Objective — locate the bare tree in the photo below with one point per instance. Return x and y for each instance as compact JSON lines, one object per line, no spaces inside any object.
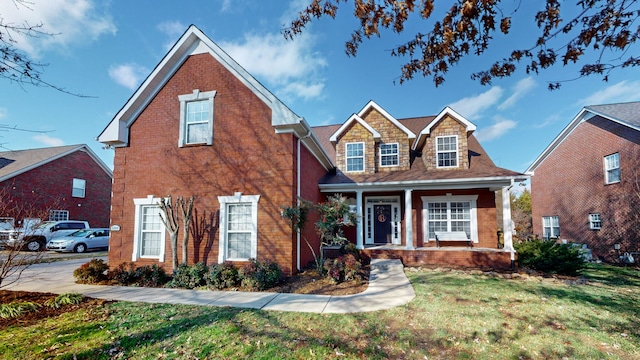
{"x":172,"y":224}
{"x":13,"y":261}
{"x":15,"y":65}
{"x":186,"y":211}
{"x":605,"y":29}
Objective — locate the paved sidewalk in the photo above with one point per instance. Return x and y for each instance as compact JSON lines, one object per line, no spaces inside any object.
{"x":388,"y":288}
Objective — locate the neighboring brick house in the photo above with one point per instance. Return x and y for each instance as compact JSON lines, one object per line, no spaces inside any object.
{"x":202,"y":125}
{"x":56,"y":183}
{"x":585,"y":186}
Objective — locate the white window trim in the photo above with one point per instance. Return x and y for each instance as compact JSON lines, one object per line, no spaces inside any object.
{"x":473,"y":212}
{"x":139,"y":202}
{"x":397,"y":154}
{"x":346,"y":157}
{"x":456,"y":151}
{"x":82,"y":184}
{"x":236,"y":199}
{"x":195,"y":96}
{"x":593,"y":221}
{"x":607,"y":169}
{"x":396,"y":228}
{"x":552,"y":235}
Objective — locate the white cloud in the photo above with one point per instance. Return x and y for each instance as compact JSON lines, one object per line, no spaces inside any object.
{"x":291,"y":67}
{"x":128,"y":75}
{"x":621,"y":92}
{"x":71,"y":22}
{"x":473,"y":106}
{"x":500,"y":127}
{"x":518,"y":91}
{"x":3,"y":112}
{"x":173,"y":30}
{"x":48,"y":140}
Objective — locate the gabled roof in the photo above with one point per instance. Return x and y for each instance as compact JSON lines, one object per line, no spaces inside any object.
{"x":20,"y":161}
{"x":351,"y":120}
{"x":193,"y":42}
{"x":626,"y":114}
{"x":446,"y":111}
{"x":358,"y":117}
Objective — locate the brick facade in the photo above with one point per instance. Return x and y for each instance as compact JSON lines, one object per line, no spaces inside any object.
{"x":246,"y":156}
{"x":570,"y":184}
{"x":49,"y":187}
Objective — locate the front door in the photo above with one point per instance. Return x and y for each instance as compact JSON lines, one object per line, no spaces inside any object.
{"x":382,"y":227}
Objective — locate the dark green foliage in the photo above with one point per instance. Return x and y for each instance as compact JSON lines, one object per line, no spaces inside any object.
{"x":151,"y":276}
{"x":93,"y":272}
{"x":146,"y":276}
{"x":223,"y":276}
{"x":344,"y":268}
{"x":259,"y":275}
{"x":549,"y":257}
{"x":189,"y":276}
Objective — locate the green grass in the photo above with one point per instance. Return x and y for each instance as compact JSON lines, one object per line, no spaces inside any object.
{"x":454,"y":315}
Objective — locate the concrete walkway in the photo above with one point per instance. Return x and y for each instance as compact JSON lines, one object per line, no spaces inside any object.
{"x":388,"y":288}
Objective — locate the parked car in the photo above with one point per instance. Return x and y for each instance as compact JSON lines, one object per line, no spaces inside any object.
{"x":35,"y":239}
{"x":81,"y":241}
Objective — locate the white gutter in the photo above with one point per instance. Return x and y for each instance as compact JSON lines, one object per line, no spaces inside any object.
{"x":425,"y":184}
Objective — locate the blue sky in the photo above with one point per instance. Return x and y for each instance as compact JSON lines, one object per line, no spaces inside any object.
{"x":105,"y":49}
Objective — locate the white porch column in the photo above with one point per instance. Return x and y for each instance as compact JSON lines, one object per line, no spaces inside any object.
{"x":408,"y":219}
{"x":359,"y":221}
{"x":507,"y":225}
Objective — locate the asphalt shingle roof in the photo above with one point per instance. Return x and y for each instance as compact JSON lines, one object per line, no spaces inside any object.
{"x":628,"y":113}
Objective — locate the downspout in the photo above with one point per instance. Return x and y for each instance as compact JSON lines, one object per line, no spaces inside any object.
{"x":512,"y":250}
{"x":298,"y":194}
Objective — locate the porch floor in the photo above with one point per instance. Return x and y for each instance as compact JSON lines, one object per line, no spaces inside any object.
{"x":455,"y":256}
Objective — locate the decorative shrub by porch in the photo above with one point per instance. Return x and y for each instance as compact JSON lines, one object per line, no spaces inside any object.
{"x":189,"y":276}
{"x":343,"y":268}
{"x":223,"y":276}
{"x":93,"y":272}
{"x":259,"y":275}
{"x":549,"y":256}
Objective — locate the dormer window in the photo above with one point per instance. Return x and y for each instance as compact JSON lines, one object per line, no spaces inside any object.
{"x":196,"y":118}
{"x":389,"y":154}
{"x":355,"y":156}
{"x":447,"y":151}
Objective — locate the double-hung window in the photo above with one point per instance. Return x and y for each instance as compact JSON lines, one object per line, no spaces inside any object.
{"x":389,"y":154}
{"x":450,"y":213}
{"x":196,"y":118}
{"x":149,"y":233}
{"x":79,"y":186}
{"x":595,"y":221}
{"x":238,"y":227}
{"x":612,"y":168}
{"x":550,"y":227}
{"x":355,"y":156}
{"x":447,"y":151}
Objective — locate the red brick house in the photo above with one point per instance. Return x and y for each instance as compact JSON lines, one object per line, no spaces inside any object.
{"x":202,"y":125}
{"x":55,"y":183}
{"x":585,"y":186}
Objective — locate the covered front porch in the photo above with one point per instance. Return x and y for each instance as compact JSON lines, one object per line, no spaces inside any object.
{"x":408,"y":221}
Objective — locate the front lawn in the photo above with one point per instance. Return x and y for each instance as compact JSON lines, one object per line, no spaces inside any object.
{"x":454,"y":315}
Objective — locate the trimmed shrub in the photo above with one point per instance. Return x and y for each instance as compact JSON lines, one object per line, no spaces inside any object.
{"x":124,"y":274}
{"x":259,"y":275}
{"x":549,"y":257}
{"x":93,"y":272}
{"x":223,"y":276}
{"x":335,"y":269}
{"x":151,"y":276}
{"x":189,"y":277}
